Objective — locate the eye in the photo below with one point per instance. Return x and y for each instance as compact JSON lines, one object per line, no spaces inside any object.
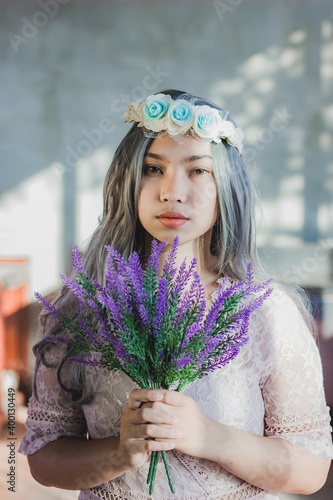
{"x":151,"y":170}
{"x":199,"y":171}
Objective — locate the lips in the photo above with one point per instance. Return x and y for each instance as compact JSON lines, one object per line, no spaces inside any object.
{"x":171,"y":218}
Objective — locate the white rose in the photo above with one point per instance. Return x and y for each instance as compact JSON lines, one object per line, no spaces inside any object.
{"x":236,"y":139}
{"x":133,"y":112}
{"x":207,"y":123}
{"x":226,"y":130}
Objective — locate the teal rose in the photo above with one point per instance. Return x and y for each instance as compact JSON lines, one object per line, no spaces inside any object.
{"x":180,"y":117}
{"x":154,"y":112}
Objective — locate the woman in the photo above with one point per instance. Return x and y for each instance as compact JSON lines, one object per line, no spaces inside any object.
{"x":259,"y":425}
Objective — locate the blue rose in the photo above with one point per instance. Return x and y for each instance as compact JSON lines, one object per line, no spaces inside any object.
{"x":154,"y":112}
{"x":181,"y":116}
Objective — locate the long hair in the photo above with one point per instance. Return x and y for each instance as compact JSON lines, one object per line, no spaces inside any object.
{"x":232,"y":243}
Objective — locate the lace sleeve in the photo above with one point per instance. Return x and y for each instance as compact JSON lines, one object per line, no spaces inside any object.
{"x":51,"y":415}
{"x":295,"y":407}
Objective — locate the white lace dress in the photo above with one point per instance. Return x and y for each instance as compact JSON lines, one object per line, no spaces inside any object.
{"x":274,"y":388}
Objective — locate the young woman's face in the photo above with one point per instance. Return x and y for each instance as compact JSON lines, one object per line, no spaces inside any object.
{"x":178,"y":191}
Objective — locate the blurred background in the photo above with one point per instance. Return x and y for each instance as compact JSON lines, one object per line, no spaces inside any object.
{"x":68,"y":70}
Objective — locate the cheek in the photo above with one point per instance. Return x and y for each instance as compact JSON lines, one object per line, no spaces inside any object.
{"x":144,"y":201}
{"x":141,"y":213}
{"x":140,"y":205}
{"x":205,"y":198}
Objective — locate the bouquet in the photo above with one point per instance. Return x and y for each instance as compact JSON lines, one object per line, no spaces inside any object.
{"x":156,"y":326}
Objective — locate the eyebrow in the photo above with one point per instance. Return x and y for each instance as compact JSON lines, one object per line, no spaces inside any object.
{"x":186,"y":159}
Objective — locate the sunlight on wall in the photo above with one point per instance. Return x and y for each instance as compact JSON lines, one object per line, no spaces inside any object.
{"x":307,"y":147}
{"x":325,"y":217}
{"x":92,"y":171}
{"x":328,"y":314}
{"x":326,"y":52}
{"x":31,"y":219}
{"x":289,"y":212}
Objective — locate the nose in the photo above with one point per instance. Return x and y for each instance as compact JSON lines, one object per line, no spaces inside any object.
{"x":173,"y":188}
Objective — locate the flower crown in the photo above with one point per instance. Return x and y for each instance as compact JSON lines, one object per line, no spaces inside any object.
{"x":179,"y":117}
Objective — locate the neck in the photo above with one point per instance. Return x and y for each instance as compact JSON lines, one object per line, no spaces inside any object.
{"x":198,"y":249}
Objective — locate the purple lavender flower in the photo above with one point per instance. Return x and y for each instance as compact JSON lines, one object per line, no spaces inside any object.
{"x":76,"y":260}
{"x":183,"y":277}
{"x":48,"y":306}
{"x":88,"y":332}
{"x":135,"y":275}
{"x":182,"y":362}
{"x":74,"y":287}
{"x":113,"y":309}
{"x":162,"y":305}
{"x":169,"y":268}
{"x":93,"y":360}
{"x":154,"y":258}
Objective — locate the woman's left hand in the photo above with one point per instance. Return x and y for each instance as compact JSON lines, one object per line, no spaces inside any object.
{"x":192,"y":423}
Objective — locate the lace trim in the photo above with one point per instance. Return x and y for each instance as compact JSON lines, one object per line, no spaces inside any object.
{"x":250,"y":492}
{"x":39,"y":413}
{"x":40,"y":417}
{"x":293,"y":425}
{"x":107,"y":495}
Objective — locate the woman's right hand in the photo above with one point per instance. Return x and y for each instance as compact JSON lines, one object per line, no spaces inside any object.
{"x":145,"y":420}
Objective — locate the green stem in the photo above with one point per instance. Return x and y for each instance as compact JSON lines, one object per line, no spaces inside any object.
{"x":168,"y":472}
{"x":153,"y":464}
{"x":154,"y":471}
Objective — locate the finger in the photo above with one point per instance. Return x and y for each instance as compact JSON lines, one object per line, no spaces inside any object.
{"x":152,"y":431}
{"x":139,"y":396}
{"x":156,"y":414}
{"x":150,"y":445}
{"x":173,"y":398}
{"x":151,"y":412}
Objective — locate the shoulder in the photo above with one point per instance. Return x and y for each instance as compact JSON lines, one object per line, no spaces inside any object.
{"x":281,"y":337}
{"x":282,"y":322}
{"x":285,"y":307}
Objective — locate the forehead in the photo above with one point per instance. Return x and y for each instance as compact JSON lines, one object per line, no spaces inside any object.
{"x":172,"y":149}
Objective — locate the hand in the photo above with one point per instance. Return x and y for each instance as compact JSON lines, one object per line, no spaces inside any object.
{"x":163,"y":420}
{"x":191,"y":422}
{"x":147,"y":425}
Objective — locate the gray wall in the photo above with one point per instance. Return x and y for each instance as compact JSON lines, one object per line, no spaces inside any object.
{"x":68,"y":68}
